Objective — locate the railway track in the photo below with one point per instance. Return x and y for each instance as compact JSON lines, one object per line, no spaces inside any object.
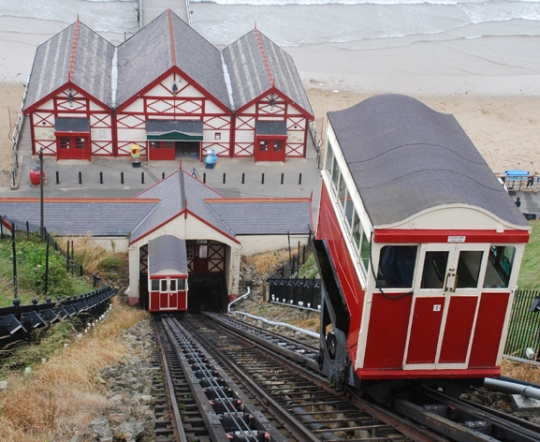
{"x":251,"y":384}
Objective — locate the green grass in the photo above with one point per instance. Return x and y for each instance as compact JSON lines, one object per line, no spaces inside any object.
{"x":529,"y":274}
{"x":31,"y":256}
{"x":309,"y":269}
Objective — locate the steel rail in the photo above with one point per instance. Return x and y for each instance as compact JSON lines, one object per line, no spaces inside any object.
{"x":407,"y":428}
{"x":176,"y":418}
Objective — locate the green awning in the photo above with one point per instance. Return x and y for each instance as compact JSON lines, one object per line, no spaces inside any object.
{"x":174,"y":130}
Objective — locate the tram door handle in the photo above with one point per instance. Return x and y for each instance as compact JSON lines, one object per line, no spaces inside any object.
{"x":451,"y":281}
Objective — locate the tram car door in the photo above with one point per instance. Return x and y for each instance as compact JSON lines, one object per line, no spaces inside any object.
{"x":167,"y":274}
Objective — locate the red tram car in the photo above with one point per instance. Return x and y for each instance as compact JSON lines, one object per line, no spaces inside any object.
{"x":418,"y":246}
{"x":167,"y":274}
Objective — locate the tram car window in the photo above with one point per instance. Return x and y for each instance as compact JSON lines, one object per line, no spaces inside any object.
{"x":418,"y":247}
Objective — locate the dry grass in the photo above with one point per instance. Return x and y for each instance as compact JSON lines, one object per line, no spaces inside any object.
{"x":518,"y":370}
{"x":267,"y":263}
{"x":60,"y":396}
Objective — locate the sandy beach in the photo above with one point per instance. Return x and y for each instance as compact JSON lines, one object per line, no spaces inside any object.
{"x":492,"y":86}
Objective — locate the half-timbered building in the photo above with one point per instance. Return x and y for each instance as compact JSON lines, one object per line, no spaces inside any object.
{"x":169,"y":91}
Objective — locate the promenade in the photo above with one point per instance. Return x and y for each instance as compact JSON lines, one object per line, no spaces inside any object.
{"x":152,"y":8}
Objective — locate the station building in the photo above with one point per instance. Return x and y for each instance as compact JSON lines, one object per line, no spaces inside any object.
{"x":167,"y":90}
{"x":216,"y":230}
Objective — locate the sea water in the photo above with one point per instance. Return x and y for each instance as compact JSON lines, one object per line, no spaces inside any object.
{"x":369,"y":24}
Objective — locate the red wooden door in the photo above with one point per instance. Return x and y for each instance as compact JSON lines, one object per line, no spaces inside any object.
{"x":270,"y":150}
{"x":161,"y":150}
{"x":73,"y":148}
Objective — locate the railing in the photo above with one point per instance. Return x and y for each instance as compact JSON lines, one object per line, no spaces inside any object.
{"x":301,"y":293}
{"x":188,"y":12}
{"x":524,"y":328}
{"x":22,"y":228}
{"x":15,"y":137}
{"x":317,"y":142}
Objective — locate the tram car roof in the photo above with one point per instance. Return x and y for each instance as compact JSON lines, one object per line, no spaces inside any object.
{"x":406,"y":158}
{"x":167,"y":255}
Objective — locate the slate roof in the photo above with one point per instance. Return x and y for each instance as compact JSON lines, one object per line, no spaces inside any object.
{"x":166,"y":42}
{"x":91,"y":68}
{"x":265,"y":216}
{"x":172,"y":192}
{"x":405,"y":158}
{"x":110,"y":217}
{"x":255,"y":65}
{"x":167,"y":254}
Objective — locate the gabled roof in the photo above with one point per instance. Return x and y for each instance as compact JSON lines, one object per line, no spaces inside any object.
{"x":265,"y":216}
{"x":256,"y":66}
{"x":75,"y":56}
{"x":172,"y":192}
{"x":73,"y":216}
{"x":165,"y":44}
{"x":406,"y":158}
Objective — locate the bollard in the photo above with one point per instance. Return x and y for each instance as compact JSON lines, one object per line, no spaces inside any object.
{"x":121,"y":177}
{"x":204,"y":177}
{"x":142,"y":177}
{"x":243,"y":177}
{"x":224,"y":178}
{"x":300,"y":179}
{"x":13,"y":178}
{"x":80,"y":177}
{"x":282,"y":177}
{"x":162,"y":175}
{"x":100,"y":177}
{"x":57,"y":177}
{"x":262,"y":179}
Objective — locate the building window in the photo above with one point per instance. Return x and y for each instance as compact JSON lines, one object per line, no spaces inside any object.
{"x":217,"y":136}
{"x":155,"y":285}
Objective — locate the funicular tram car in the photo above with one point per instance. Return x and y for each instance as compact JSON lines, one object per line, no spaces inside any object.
{"x":419,"y":248}
{"x":167,"y":274}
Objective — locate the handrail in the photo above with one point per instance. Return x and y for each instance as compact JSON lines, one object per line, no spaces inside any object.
{"x":15,"y":137}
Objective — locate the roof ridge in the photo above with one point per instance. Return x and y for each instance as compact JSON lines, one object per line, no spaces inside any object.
{"x":73,"y":49}
{"x":263,"y":55}
{"x":171,"y":36}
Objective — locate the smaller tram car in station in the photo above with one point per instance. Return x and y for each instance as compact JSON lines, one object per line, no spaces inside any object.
{"x":167,"y":275}
{"x":419,"y":248}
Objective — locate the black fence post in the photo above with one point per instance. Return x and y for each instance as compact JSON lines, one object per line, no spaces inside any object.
{"x":121,"y":177}
{"x":224,"y":177}
{"x":67,"y":257}
{"x":243,"y":177}
{"x":204,"y":177}
{"x":27,"y":229}
{"x":100,"y":177}
{"x":57,"y":177}
{"x":162,"y":175}
{"x":1,"y":227}
{"x":14,"y":260}
{"x":142,"y":177}
{"x":46,"y":288}
{"x":299,"y":178}
{"x":282,"y":177}
{"x":262,"y":178}
{"x":80,"y":177}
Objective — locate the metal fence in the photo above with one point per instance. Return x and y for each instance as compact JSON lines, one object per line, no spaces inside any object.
{"x":524,"y":328}
{"x":25,"y":229}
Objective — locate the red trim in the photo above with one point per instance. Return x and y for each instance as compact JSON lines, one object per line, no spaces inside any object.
{"x":257,"y":200}
{"x":81,"y":200}
{"x":431,"y":374}
{"x":175,"y":276}
{"x":213,"y":227}
{"x":441,"y":236}
{"x":133,"y":241}
{"x":171,"y":71}
{"x":73,"y":50}
{"x":263,"y":55}
{"x":171,"y":35}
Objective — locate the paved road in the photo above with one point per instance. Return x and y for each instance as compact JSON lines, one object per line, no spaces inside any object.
{"x":152,"y":8}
